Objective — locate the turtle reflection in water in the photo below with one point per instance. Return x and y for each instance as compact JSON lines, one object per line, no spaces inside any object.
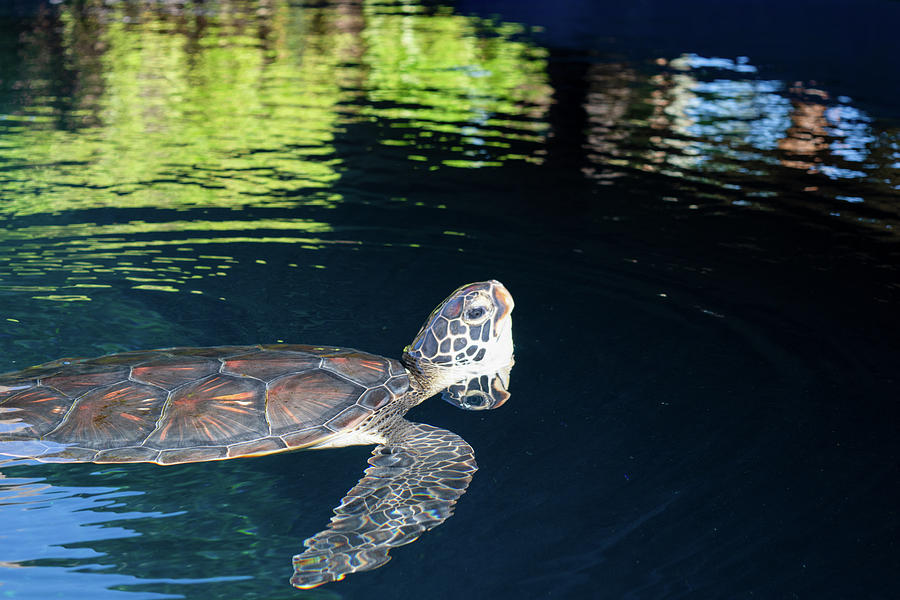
{"x":183,"y":405}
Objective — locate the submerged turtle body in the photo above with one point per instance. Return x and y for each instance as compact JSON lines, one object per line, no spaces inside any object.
{"x":181,"y":405}
{"x":196,"y":404}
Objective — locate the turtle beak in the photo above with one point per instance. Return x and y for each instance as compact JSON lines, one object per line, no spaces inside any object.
{"x":504,"y":302}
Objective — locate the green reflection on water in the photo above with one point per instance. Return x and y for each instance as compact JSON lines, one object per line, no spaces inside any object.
{"x":71,"y":254}
{"x":133,"y":227}
{"x":174,"y":112}
{"x":227,"y":113}
{"x":444,"y":79}
{"x":143,"y":105}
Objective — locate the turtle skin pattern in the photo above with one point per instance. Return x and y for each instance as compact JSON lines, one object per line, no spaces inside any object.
{"x":181,"y":405}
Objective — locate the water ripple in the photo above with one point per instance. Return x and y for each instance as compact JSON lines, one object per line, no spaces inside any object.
{"x":746,"y":140}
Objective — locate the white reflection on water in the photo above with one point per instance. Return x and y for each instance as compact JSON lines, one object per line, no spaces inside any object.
{"x":801,"y":120}
{"x":852,"y":129}
{"x":44,"y":531}
{"x":720,"y":123}
{"x":750,"y":112}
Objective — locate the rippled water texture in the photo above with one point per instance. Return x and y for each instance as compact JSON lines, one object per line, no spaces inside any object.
{"x":732,"y":135}
{"x":698,"y":223}
{"x":192,"y":111}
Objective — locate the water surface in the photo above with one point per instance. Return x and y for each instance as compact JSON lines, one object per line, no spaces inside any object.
{"x":701,"y":238}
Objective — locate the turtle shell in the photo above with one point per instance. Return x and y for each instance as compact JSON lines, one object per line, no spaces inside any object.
{"x":179,"y":405}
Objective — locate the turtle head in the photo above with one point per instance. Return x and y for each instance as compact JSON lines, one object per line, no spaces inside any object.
{"x":469,"y":333}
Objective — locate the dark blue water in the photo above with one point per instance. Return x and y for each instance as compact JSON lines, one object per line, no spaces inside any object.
{"x":696,"y":212}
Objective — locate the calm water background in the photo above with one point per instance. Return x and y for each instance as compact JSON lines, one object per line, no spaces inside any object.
{"x":696,"y":210}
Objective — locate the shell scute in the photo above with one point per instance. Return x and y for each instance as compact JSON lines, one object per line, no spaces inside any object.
{"x":256,"y":447}
{"x":270,"y":364}
{"x":72,"y":366}
{"x":185,"y":455}
{"x":119,"y":415}
{"x":397,"y":367}
{"x":71,"y":454}
{"x":28,"y":448}
{"x":375,"y":398}
{"x":126,"y":455}
{"x":80,"y":366}
{"x":76,"y":385}
{"x":169,"y":372}
{"x":123,"y":358}
{"x":33,"y":412}
{"x":211,"y":352}
{"x":398,"y":385}
{"x":348,"y":419}
{"x":219,"y":409}
{"x":307,"y":437}
{"x":13,"y":387}
{"x":366,"y":369}
{"x":301,"y":401}
{"x":302,"y":348}
{"x":18,"y":377}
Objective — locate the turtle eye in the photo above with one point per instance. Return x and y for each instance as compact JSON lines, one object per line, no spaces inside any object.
{"x":473,"y":314}
{"x":477,"y":310}
{"x":474,"y":400}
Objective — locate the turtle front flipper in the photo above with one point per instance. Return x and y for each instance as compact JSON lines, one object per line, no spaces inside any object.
{"x":410,"y":487}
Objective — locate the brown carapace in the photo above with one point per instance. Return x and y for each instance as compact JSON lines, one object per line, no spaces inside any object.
{"x":193,"y":404}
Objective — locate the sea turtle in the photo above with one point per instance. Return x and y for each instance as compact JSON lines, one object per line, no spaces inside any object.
{"x":181,"y":405}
